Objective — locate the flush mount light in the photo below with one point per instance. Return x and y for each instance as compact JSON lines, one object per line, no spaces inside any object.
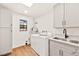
{"x":25,"y":11}
{"x":28,"y":4}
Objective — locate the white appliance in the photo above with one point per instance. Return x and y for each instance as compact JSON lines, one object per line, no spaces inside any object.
{"x":5,"y":31}
{"x":39,"y":44}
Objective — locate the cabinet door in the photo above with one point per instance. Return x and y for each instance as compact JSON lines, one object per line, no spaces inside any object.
{"x":72,"y":14}
{"x":54,"y":49}
{"x":67,"y":52}
{"x":58,"y":15}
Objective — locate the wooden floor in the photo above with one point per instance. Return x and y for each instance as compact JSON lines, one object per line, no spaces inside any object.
{"x":23,"y":51}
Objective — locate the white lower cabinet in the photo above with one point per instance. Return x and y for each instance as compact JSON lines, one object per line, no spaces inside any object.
{"x":52,"y":49}
{"x":61,"y":49}
{"x":40,"y":45}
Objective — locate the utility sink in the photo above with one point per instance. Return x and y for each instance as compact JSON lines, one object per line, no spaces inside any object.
{"x":74,"y":41}
{"x":63,"y":39}
{"x":57,"y":38}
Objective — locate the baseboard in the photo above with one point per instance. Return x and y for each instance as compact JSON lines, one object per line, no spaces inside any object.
{"x":35,"y":52}
{"x":6,"y":53}
{"x":21,"y":45}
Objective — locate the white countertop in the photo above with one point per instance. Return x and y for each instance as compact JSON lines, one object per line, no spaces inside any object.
{"x":64,"y":42}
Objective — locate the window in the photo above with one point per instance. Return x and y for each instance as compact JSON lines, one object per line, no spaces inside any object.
{"x":23,"y":25}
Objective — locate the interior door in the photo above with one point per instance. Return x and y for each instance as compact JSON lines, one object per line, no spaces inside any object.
{"x":5,"y":30}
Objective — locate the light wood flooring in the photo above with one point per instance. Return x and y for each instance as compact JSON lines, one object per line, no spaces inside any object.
{"x":23,"y":51}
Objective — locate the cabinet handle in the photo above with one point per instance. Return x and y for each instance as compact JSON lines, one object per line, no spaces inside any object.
{"x":60,"y":52}
{"x":11,"y":27}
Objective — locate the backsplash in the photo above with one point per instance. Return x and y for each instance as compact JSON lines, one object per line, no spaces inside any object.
{"x":72,"y":32}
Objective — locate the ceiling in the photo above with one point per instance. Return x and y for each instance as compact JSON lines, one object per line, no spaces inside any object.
{"x":35,"y":10}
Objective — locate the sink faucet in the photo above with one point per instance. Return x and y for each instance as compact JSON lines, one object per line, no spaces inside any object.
{"x":65,"y":33}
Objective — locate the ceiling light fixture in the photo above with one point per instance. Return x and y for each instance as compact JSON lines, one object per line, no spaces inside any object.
{"x":25,"y":11}
{"x":28,"y":4}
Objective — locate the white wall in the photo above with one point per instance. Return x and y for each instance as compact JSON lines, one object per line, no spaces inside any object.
{"x":20,"y":37}
{"x":45,"y":22}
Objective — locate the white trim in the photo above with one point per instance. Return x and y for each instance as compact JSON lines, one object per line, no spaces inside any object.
{"x":3,"y":53}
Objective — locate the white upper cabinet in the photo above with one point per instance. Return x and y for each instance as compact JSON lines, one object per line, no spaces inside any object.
{"x":68,"y":12}
{"x":72,"y":14}
{"x":5,"y":17}
{"x":58,"y":15}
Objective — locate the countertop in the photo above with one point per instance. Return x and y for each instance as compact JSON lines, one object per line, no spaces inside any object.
{"x":64,"y":42}
{"x":60,"y":41}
